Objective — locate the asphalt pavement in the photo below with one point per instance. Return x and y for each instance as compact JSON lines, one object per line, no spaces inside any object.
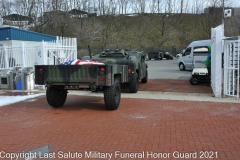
{"x":166,"y":69}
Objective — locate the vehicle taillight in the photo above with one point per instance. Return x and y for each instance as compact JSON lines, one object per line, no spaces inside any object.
{"x":40,"y":69}
{"x":130,"y":71}
{"x":102,"y":69}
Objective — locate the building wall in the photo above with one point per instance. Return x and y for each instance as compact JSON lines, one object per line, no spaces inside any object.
{"x":17,"y":42}
{"x":11,"y":33}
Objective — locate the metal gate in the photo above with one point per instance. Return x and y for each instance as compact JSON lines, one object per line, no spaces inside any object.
{"x":231,"y":67}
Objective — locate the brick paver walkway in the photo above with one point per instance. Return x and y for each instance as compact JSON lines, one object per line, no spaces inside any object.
{"x":171,"y":85}
{"x":155,"y":128}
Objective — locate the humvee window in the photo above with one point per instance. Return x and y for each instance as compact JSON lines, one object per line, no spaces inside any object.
{"x":112,"y":54}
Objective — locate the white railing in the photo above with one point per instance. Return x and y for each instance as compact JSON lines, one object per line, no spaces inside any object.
{"x":231,"y":67}
{"x":44,"y":53}
{"x":62,"y":50}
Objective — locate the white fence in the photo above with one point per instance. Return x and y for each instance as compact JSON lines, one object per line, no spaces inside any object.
{"x":216,"y":61}
{"x":45,"y":53}
{"x":231,"y":67}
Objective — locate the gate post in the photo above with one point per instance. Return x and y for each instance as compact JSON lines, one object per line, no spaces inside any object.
{"x":216,"y":61}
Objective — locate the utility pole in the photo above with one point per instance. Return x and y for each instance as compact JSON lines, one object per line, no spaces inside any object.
{"x":223,"y":18}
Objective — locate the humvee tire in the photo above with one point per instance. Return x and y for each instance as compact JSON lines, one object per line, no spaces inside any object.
{"x":56,"y":97}
{"x":145,"y":79}
{"x":112,"y":96}
{"x":133,"y":85}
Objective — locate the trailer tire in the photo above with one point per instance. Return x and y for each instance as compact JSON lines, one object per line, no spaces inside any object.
{"x":112,"y":96}
{"x":145,"y":79}
{"x":193,"y":81}
{"x":133,"y":85}
{"x":56,"y":97}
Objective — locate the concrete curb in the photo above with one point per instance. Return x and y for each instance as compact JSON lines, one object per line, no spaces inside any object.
{"x":149,"y":95}
{"x":165,"y":96}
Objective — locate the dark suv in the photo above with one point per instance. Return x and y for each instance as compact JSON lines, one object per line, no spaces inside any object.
{"x":167,"y":55}
{"x":155,"y":55}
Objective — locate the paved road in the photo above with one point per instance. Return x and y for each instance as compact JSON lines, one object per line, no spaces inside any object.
{"x":166,"y":69}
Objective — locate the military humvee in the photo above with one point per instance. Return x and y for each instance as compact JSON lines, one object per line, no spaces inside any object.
{"x":137,"y":68}
{"x":109,"y":69}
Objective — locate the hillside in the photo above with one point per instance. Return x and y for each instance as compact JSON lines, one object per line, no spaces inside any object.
{"x":145,"y":31}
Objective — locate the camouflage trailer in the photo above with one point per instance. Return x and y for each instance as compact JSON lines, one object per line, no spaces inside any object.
{"x":113,"y":67}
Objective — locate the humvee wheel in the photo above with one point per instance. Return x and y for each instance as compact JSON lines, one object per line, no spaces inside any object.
{"x":133,"y":86}
{"x":56,"y":97}
{"x":112,"y":96}
{"x":145,"y":79}
{"x":193,"y":80}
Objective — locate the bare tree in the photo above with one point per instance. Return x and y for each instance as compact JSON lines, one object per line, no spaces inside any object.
{"x":5,"y":7}
{"x":122,"y":5}
{"x":138,"y":6}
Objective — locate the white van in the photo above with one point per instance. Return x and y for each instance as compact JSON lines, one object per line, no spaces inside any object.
{"x":185,"y":62}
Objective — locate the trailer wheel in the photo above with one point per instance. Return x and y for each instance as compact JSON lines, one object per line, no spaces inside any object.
{"x":56,"y":97}
{"x":133,"y":85}
{"x":193,"y":80}
{"x":112,"y":96}
{"x":145,"y":79}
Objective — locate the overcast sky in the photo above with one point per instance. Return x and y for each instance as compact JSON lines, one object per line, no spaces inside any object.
{"x":237,"y":2}
{"x":234,"y":2}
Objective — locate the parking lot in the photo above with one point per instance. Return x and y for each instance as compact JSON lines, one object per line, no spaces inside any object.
{"x":166,"y":69}
{"x":141,"y":128}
